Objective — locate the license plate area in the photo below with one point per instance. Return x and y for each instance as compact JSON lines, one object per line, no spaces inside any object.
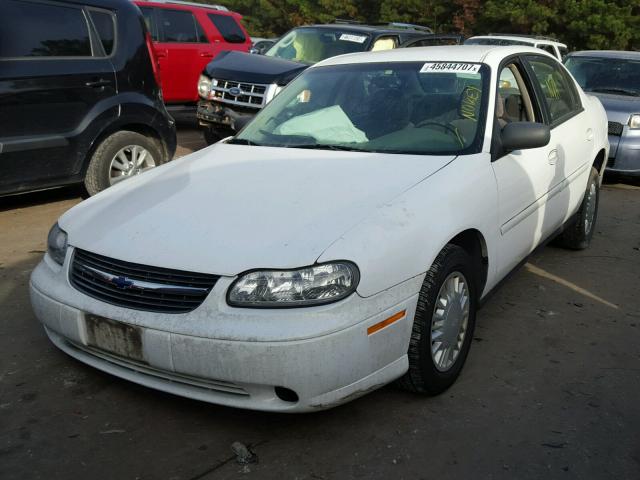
{"x":113,"y":337}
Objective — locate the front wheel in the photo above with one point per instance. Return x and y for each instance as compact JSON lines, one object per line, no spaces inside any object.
{"x":443,"y":325}
{"x":579,"y":231}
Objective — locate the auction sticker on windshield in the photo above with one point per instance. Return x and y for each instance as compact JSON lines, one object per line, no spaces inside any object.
{"x":352,"y":38}
{"x":447,"y":67}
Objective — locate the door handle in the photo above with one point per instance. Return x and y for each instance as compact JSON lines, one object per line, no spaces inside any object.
{"x":589,"y":134}
{"x":99,"y":83}
{"x":161,"y":54}
{"x":553,"y":157}
{"x":206,"y":54}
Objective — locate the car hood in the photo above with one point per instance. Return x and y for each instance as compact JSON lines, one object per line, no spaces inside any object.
{"x":231,"y":208}
{"x":618,"y":107}
{"x":252,"y":68}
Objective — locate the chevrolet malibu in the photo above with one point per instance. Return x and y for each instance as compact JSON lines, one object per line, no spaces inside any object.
{"x":341,"y":241}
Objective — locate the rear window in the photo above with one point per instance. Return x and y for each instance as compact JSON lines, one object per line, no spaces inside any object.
{"x":42,"y":30}
{"x":105,"y":26}
{"x":228,"y":28}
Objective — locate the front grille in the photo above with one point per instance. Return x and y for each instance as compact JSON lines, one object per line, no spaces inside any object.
{"x":252,"y":94}
{"x":615,"y":128}
{"x":140,"y":287}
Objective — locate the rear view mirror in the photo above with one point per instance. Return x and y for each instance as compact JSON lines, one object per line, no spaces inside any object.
{"x":523,"y":135}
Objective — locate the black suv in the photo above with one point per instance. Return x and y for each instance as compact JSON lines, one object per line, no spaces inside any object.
{"x":79,"y":95}
{"x":235,"y":86}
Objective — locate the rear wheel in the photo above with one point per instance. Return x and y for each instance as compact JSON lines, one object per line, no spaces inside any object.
{"x":578,"y":232}
{"x":120,"y":156}
{"x":443,"y":325}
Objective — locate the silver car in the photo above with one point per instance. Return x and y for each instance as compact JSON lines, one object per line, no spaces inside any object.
{"x":614,"y":77}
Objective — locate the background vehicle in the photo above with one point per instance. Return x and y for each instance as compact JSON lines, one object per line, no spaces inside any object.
{"x":436,"y":39}
{"x":614,"y":77}
{"x":350,"y":231}
{"x":548,"y":44}
{"x":79,"y":95}
{"x":186,"y":36}
{"x":261,"y":45}
{"x":236,"y":86}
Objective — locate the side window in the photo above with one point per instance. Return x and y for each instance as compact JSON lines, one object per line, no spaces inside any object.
{"x":385,"y":43}
{"x":513,"y":102}
{"x":149,"y":19}
{"x":105,"y":26}
{"x":228,"y":28}
{"x":178,"y":26}
{"x":43,"y":30}
{"x":558,"y":90}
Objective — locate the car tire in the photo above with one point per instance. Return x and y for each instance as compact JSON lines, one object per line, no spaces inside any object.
{"x":425,"y":375}
{"x":99,"y":173}
{"x":578,"y":231}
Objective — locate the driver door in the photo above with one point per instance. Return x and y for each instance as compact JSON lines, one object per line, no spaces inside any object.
{"x":523,"y":177}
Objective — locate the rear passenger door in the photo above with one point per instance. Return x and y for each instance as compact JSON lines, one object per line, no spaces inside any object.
{"x":54,"y":73}
{"x":182,"y":44}
{"x":571,"y":133}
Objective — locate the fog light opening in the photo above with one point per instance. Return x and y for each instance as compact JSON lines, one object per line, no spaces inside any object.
{"x":286,"y":394}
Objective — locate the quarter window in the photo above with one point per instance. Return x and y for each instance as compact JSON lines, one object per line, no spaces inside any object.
{"x":105,"y":26}
{"x":228,"y":28}
{"x":179,"y":26}
{"x":42,"y":30}
{"x":558,"y":90}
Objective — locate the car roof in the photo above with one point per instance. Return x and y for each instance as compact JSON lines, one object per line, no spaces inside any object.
{"x":620,"y":54}
{"x":490,"y":54}
{"x":523,"y":38}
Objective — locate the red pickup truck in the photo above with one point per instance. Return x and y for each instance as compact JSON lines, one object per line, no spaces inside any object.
{"x":186,"y":37}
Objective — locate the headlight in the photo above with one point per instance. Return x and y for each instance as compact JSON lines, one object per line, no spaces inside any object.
{"x":272,"y":91}
{"x":204,"y":86}
{"x":57,"y":244}
{"x":634,"y":121}
{"x":303,"y":287}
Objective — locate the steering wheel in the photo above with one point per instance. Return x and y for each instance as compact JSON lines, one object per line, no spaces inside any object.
{"x":447,"y":128}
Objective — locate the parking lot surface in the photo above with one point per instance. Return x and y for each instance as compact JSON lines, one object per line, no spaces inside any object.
{"x":550,"y":389}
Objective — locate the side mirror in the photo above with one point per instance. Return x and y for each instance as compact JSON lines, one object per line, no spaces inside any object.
{"x":523,"y":135}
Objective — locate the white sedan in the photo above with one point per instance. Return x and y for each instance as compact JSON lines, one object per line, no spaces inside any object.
{"x":341,"y":241}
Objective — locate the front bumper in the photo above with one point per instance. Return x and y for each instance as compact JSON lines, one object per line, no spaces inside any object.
{"x":624,"y":156}
{"x":236,"y":357}
{"x":216,"y":115}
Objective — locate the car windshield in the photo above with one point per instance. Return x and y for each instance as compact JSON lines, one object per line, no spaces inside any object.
{"x":431,"y":108}
{"x":310,"y":45}
{"x":606,"y":75}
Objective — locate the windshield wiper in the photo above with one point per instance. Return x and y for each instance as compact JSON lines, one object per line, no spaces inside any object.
{"x":243,"y":141}
{"x":322,"y":146}
{"x":623,"y":91}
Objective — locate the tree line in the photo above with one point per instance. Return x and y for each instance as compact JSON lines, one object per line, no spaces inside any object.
{"x":582,"y":24}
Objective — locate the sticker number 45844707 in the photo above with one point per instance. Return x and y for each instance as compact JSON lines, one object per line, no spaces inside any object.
{"x":448,"y":67}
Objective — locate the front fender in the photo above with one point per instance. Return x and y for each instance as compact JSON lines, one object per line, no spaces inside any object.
{"x":401,"y":239}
